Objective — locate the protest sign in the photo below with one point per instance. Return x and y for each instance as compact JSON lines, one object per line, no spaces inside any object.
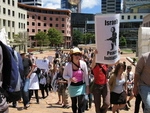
{"x":42,"y":64}
{"x":107,"y":38}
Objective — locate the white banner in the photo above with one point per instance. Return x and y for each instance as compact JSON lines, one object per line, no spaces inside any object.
{"x":107,"y":38}
{"x":42,"y":64}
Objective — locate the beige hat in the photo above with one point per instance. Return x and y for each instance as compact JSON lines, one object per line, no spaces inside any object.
{"x":22,"y":52}
{"x":75,"y":50}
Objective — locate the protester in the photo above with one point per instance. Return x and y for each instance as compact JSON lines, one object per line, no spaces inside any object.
{"x":100,"y":87}
{"x":117,"y":83}
{"x":28,"y":69}
{"x":142,"y":80}
{"x":75,"y":72}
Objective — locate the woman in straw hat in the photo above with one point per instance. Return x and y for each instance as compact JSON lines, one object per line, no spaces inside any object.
{"x":78,"y":83}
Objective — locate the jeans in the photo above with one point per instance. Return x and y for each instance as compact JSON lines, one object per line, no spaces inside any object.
{"x":98,"y":91}
{"x":145,"y":95}
{"x":25,"y":92}
{"x":137,"y":103}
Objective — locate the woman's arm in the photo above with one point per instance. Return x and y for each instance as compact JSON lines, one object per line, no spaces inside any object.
{"x":94,"y":58}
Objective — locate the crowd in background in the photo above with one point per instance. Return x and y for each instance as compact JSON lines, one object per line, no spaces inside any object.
{"x":113,"y":83}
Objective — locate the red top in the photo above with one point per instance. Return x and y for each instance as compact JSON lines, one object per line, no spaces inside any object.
{"x":99,"y":76}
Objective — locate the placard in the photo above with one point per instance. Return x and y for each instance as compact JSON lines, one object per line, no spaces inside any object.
{"x":107,"y":38}
{"x":42,"y":64}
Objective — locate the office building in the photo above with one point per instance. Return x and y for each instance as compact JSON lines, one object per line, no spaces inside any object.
{"x":42,"y":19}
{"x":111,"y":6}
{"x":31,"y":2}
{"x":73,"y":5}
{"x":12,"y":18}
{"x":130,"y":5}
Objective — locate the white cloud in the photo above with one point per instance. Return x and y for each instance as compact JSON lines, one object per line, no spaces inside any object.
{"x":85,"y":4}
{"x":90,"y":4}
{"x":53,"y":4}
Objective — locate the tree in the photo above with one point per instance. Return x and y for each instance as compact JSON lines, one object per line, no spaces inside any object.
{"x":41,"y":37}
{"x":122,"y":41}
{"x":21,"y":39}
{"x":77,"y":37}
{"x":89,"y":38}
{"x":55,"y":36}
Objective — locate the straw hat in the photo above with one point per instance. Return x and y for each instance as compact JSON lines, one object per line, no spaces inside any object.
{"x":22,"y":52}
{"x":75,"y":50}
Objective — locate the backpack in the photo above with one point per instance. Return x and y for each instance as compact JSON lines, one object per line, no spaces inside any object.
{"x":11,"y":80}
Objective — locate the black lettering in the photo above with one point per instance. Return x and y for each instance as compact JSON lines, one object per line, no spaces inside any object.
{"x":112,"y":22}
{"x":110,"y":57}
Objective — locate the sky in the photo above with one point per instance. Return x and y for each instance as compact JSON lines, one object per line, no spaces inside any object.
{"x":87,"y":6}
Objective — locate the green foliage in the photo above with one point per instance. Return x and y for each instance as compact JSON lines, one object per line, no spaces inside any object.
{"x":77,"y":37}
{"x":55,"y":36}
{"x":41,"y":37}
{"x":122,"y":41}
{"x":21,"y":38}
{"x":89,"y":38}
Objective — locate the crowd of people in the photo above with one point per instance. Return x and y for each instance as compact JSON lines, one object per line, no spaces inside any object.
{"x":79,"y":77}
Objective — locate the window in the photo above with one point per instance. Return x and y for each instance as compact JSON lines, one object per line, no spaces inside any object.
{"x":27,"y":16}
{"x":24,"y":26}
{"x":63,"y":19}
{"x":122,"y":17}
{"x":13,"y":13}
{"x":63,"y":25}
{"x":128,"y":17}
{"x":4,"y":11}
{"x":141,"y":16}
{"x":4,"y":1}
{"x":44,"y":30}
{"x":4,"y":22}
{"x":39,"y":24}
{"x":18,"y":15}
{"x":44,"y":24}
{"x":8,"y":23}
{"x":13,"y":3}
{"x":27,"y":23}
{"x":9,"y":12}
{"x":19,"y":25}
{"x":9,"y":2}
{"x":56,"y":25}
{"x":51,"y":18}
{"x":33,"y":30}
{"x":33,"y":17}
{"x":134,"y":17}
{"x":63,"y":31}
{"x":39,"y":18}
{"x":51,"y":25}
{"x":56,"y":19}
{"x":33,"y":24}
{"x":27,"y":30}
{"x":44,"y":18}
{"x":39,"y":30}
{"x":13,"y":24}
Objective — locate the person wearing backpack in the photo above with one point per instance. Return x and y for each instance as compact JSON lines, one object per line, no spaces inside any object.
{"x":28,"y":70}
{"x":100,"y":86}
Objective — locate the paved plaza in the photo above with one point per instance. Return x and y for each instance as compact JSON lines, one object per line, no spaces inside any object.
{"x":48,"y":105}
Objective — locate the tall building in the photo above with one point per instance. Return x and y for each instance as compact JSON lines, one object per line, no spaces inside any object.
{"x":31,"y":2}
{"x":111,"y":6}
{"x":130,"y":4}
{"x":73,"y":5}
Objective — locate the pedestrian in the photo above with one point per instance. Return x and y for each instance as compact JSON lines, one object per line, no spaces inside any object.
{"x":117,"y":83}
{"x":75,"y":72}
{"x":100,"y":87}
{"x":142,"y":80}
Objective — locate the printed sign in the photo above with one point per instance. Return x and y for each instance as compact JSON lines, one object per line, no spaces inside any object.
{"x":42,"y":64}
{"x":107,"y":38}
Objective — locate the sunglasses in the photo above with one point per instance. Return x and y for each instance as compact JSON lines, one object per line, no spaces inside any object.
{"x":77,"y":54}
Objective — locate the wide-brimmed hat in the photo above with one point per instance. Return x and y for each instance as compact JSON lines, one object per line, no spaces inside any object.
{"x":75,"y":50}
{"x":22,"y":52}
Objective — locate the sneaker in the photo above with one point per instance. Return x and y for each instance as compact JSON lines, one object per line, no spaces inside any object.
{"x":128,"y":102}
{"x":26,"y":106}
